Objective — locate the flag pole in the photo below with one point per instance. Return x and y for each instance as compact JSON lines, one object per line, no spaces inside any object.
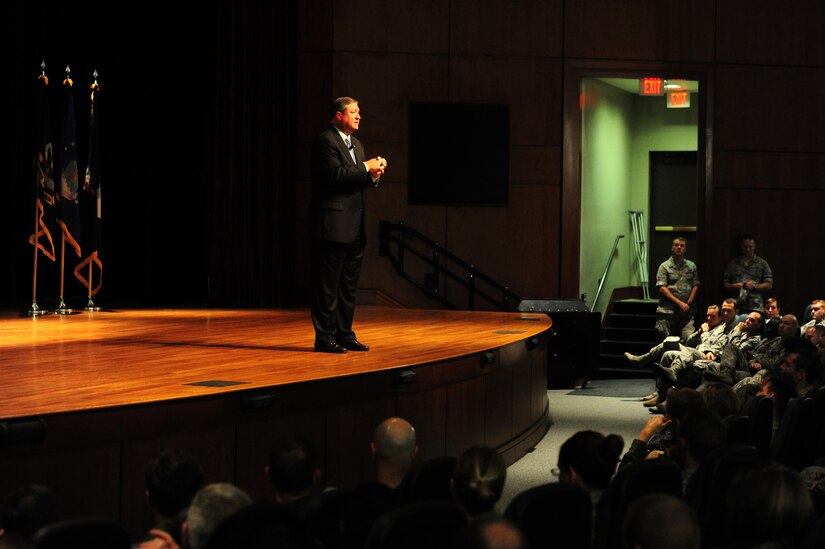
{"x":90,"y":304}
{"x":35,"y":309}
{"x":62,"y":309}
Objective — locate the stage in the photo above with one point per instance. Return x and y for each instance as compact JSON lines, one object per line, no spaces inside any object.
{"x":97,"y":394}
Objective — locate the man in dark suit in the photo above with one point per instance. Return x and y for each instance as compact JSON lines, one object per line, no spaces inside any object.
{"x":340,"y":174}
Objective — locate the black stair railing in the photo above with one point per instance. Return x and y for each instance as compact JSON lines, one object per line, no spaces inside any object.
{"x":428,"y":266}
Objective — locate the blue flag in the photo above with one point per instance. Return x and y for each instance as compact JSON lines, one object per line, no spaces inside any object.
{"x":68,"y":210}
{"x":90,"y":206}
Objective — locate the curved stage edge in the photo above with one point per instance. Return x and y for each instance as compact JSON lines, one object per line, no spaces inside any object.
{"x":90,"y":398}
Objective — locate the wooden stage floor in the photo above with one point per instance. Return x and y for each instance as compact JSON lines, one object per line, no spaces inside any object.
{"x":58,"y":364}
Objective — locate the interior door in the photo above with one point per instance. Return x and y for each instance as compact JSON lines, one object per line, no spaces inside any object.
{"x":673,"y":207}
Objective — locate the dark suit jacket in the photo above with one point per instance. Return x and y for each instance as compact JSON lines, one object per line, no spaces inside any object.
{"x":338,"y":202}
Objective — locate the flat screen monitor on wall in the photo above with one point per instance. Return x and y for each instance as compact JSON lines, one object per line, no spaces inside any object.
{"x":459,"y":154}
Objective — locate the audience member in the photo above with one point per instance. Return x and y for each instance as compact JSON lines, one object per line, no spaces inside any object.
{"x":804,"y":366}
{"x":765,"y":357}
{"x":720,"y":398}
{"x":677,"y":281}
{"x":293,"y":472}
{"x":779,"y":387}
{"x":264,"y":525}
{"x":26,"y":510}
{"x":700,"y":432}
{"x":172,"y":479}
{"x":769,"y":506}
{"x":492,"y":532}
{"x":675,"y":367}
{"x":394,"y":449}
{"x":589,"y":459}
{"x":211,"y":505}
{"x":817,"y":314}
{"x":772,"y":308}
{"x":478,"y":479}
{"x":705,"y":343}
{"x":747,"y":276}
{"x":680,"y":401}
{"x":660,"y":521}
{"x":734,"y":363}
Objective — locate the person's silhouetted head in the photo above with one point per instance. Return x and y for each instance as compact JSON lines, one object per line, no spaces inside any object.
{"x":660,"y":521}
{"x":292,"y":468}
{"x":478,"y":479}
{"x":172,"y":479}
{"x":590,"y":458}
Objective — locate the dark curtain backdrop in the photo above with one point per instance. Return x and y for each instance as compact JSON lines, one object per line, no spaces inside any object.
{"x":197,"y":161}
{"x":254,"y":176}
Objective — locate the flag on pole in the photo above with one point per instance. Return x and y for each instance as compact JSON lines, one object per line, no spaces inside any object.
{"x":68,"y":210}
{"x":90,"y":201}
{"x":43,"y":172}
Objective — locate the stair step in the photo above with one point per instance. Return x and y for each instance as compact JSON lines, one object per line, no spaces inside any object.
{"x":635,"y":306}
{"x":625,"y":320}
{"x":632,"y":334}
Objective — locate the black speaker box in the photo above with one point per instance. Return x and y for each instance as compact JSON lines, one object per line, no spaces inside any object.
{"x":573,"y":350}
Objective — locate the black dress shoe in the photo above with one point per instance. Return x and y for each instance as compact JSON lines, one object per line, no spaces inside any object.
{"x":353,"y":345}
{"x":328,"y":347}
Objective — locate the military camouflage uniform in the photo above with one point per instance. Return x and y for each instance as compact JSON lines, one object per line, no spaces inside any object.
{"x":741,"y":270}
{"x":680,"y":280}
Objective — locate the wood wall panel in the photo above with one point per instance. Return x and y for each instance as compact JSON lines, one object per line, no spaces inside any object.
{"x":465,"y":415}
{"x":794,"y":171}
{"x":427,"y":412}
{"x":349,"y":433}
{"x":392,"y":26}
{"x":499,"y":388}
{"x":626,"y":29}
{"x":384,"y":84}
{"x":535,"y":118}
{"x":763,"y":32}
{"x":512,"y":248}
{"x":491,"y":27}
{"x":769,"y":109}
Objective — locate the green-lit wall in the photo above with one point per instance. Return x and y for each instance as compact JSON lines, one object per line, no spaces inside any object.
{"x":619,"y":130}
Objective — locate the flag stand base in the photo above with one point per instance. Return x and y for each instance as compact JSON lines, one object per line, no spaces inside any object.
{"x":37,"y":311}
{"x":63,"y":310}
{"x":91,"y":307}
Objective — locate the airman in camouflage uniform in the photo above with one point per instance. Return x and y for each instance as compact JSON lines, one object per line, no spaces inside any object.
{"x":747,"y":276}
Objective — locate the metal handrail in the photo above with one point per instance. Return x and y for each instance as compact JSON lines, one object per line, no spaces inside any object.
{"x":606,"y":269}
{"x":443,"y":266}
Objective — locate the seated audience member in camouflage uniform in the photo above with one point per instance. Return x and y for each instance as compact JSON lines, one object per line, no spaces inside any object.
{"x":765,"y":357}
{"x":677,"y":281}
{"x":730,"y":369}
{"x":675,"y":367}
{"x":747,"y":276}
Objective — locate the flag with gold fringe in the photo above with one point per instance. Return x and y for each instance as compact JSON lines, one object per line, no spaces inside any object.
{"x":43,"y":172}
{"x":68,"y":210}
{"x":90,"y":205}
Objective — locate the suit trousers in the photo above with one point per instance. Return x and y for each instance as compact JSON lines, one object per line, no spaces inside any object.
{"x":336,"y":267}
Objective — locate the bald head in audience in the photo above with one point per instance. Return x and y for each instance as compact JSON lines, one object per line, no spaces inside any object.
{"x":394,"y":449}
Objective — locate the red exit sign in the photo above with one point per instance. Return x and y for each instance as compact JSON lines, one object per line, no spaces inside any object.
{"x":651,"y":86}
{"x":678,"y":100}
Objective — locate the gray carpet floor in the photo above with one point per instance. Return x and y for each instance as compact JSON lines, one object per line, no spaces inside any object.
{"x":607,"y":406}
